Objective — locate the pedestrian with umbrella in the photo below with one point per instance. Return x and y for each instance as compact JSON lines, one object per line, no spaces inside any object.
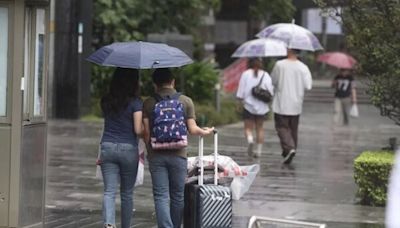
{"x":118,"y":161}
{"x":168,"y":117}
{"x":344,"y":85}
{"x":254,"y":109}
{"x":119,"y":154}
{"x":290,"y":78}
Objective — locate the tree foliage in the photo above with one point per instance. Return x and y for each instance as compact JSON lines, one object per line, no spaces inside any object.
{"x":272,"y":11}
{"x":123,"y":20}
{"x":373,"y":33}
{"x":127,"y":20}
{"x":199,"y":81}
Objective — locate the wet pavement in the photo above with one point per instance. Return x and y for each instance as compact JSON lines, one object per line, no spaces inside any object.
{"x":317,"y":187}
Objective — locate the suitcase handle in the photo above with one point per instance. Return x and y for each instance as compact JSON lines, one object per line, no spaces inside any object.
{"x":201,"y":154}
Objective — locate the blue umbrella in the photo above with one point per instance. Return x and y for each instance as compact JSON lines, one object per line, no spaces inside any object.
{"x":139,"y":55}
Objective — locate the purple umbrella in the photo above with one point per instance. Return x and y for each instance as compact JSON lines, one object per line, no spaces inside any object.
{"x":261,"y":48}
{"x":295,"y":37}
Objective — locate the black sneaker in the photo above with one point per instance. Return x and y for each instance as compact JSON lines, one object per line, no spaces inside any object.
{"x":288,"y":159}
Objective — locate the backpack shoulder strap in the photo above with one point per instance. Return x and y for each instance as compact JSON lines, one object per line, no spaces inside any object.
{"x":157,"y":97}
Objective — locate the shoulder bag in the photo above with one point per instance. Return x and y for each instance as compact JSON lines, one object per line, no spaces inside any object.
{"x":260,"y":93}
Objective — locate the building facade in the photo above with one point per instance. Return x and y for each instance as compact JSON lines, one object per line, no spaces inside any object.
{"x":24,"y":45}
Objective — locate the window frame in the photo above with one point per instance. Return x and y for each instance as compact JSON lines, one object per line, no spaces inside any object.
{"x":10,"y":13}
{"x":29,"y":79}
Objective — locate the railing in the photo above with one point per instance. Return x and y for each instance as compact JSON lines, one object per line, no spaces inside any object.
{"x":261,"y":222}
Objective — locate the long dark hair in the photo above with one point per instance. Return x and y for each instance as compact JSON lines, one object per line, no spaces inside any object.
{"x":123,"y":87}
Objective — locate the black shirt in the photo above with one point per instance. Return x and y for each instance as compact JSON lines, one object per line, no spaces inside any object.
{"x":344,"y":85}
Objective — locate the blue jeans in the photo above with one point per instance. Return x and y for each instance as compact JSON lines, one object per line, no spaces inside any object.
{"x":119,"y":163}
{"x":168,"y":174}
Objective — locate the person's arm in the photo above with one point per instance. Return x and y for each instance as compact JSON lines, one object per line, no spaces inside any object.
{"x":191,"y":122}
{"x":307,"y":79}
{"x":137,"y":123}
{"x":196,"y":130}
{"x":146,"y":130}
{"x":353,"y":93}
{"x":240,"y":93}
{"x":334,"y":83}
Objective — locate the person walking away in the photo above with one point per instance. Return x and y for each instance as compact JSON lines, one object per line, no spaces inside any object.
{"x":254,"y":110}
{"x":168,"y":159}
{"x":345,"y":96}
{"x":290,"y":78}
{"x":119,"y":156}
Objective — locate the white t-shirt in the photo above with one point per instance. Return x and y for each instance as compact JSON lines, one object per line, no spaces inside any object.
{"x":290,"y":79}
{"x":246,"y":83}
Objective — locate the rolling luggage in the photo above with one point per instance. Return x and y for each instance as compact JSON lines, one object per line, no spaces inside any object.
{"x":210,"y":205}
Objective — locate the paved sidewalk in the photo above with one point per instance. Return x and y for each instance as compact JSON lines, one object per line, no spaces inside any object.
{"x":317,"y":187}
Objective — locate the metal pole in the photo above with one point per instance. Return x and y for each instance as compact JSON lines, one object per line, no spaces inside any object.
{"x":217,"y":97}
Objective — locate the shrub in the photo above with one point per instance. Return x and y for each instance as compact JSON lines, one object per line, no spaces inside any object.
{"x":371,"y":174}
{"x":207,"y":115}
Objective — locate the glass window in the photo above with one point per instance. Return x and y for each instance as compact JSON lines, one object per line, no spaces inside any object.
{"x":3,"y":60}
{"x":38,"y":103}
{"x":27,"y":58}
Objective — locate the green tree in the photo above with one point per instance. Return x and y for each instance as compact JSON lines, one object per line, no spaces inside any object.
{"x":373,"y":34}
{"x":123,"y":20}
{"x":127,"y":20}
{"x":272,"y":11}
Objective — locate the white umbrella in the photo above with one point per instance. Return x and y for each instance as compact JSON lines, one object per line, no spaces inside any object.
{"x":262,"y":47}
{"x":295,"y":37}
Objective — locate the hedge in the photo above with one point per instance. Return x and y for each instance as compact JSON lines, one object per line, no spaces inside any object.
{"x":207,"y":115}
{"x":371,"y":174}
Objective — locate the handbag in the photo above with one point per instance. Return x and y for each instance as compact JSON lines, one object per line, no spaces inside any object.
{"x":260,"y":93}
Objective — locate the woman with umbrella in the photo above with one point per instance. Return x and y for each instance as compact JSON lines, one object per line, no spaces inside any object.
{"x":119,"y":156}
{"x":254,"y":110}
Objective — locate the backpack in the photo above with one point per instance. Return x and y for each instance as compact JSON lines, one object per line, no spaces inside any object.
{"x":169,"y":130}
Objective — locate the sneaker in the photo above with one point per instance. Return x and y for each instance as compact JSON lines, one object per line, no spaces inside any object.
{"x":288,"y":159}
{"x":250,"y":149}
{"x":109,"y":226}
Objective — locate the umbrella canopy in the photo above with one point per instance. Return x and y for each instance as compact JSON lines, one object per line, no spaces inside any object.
{"x":337,"y":59}
{"x":262,"y":47}
{"x":139,"y":55}
{"x":295,"y":37}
